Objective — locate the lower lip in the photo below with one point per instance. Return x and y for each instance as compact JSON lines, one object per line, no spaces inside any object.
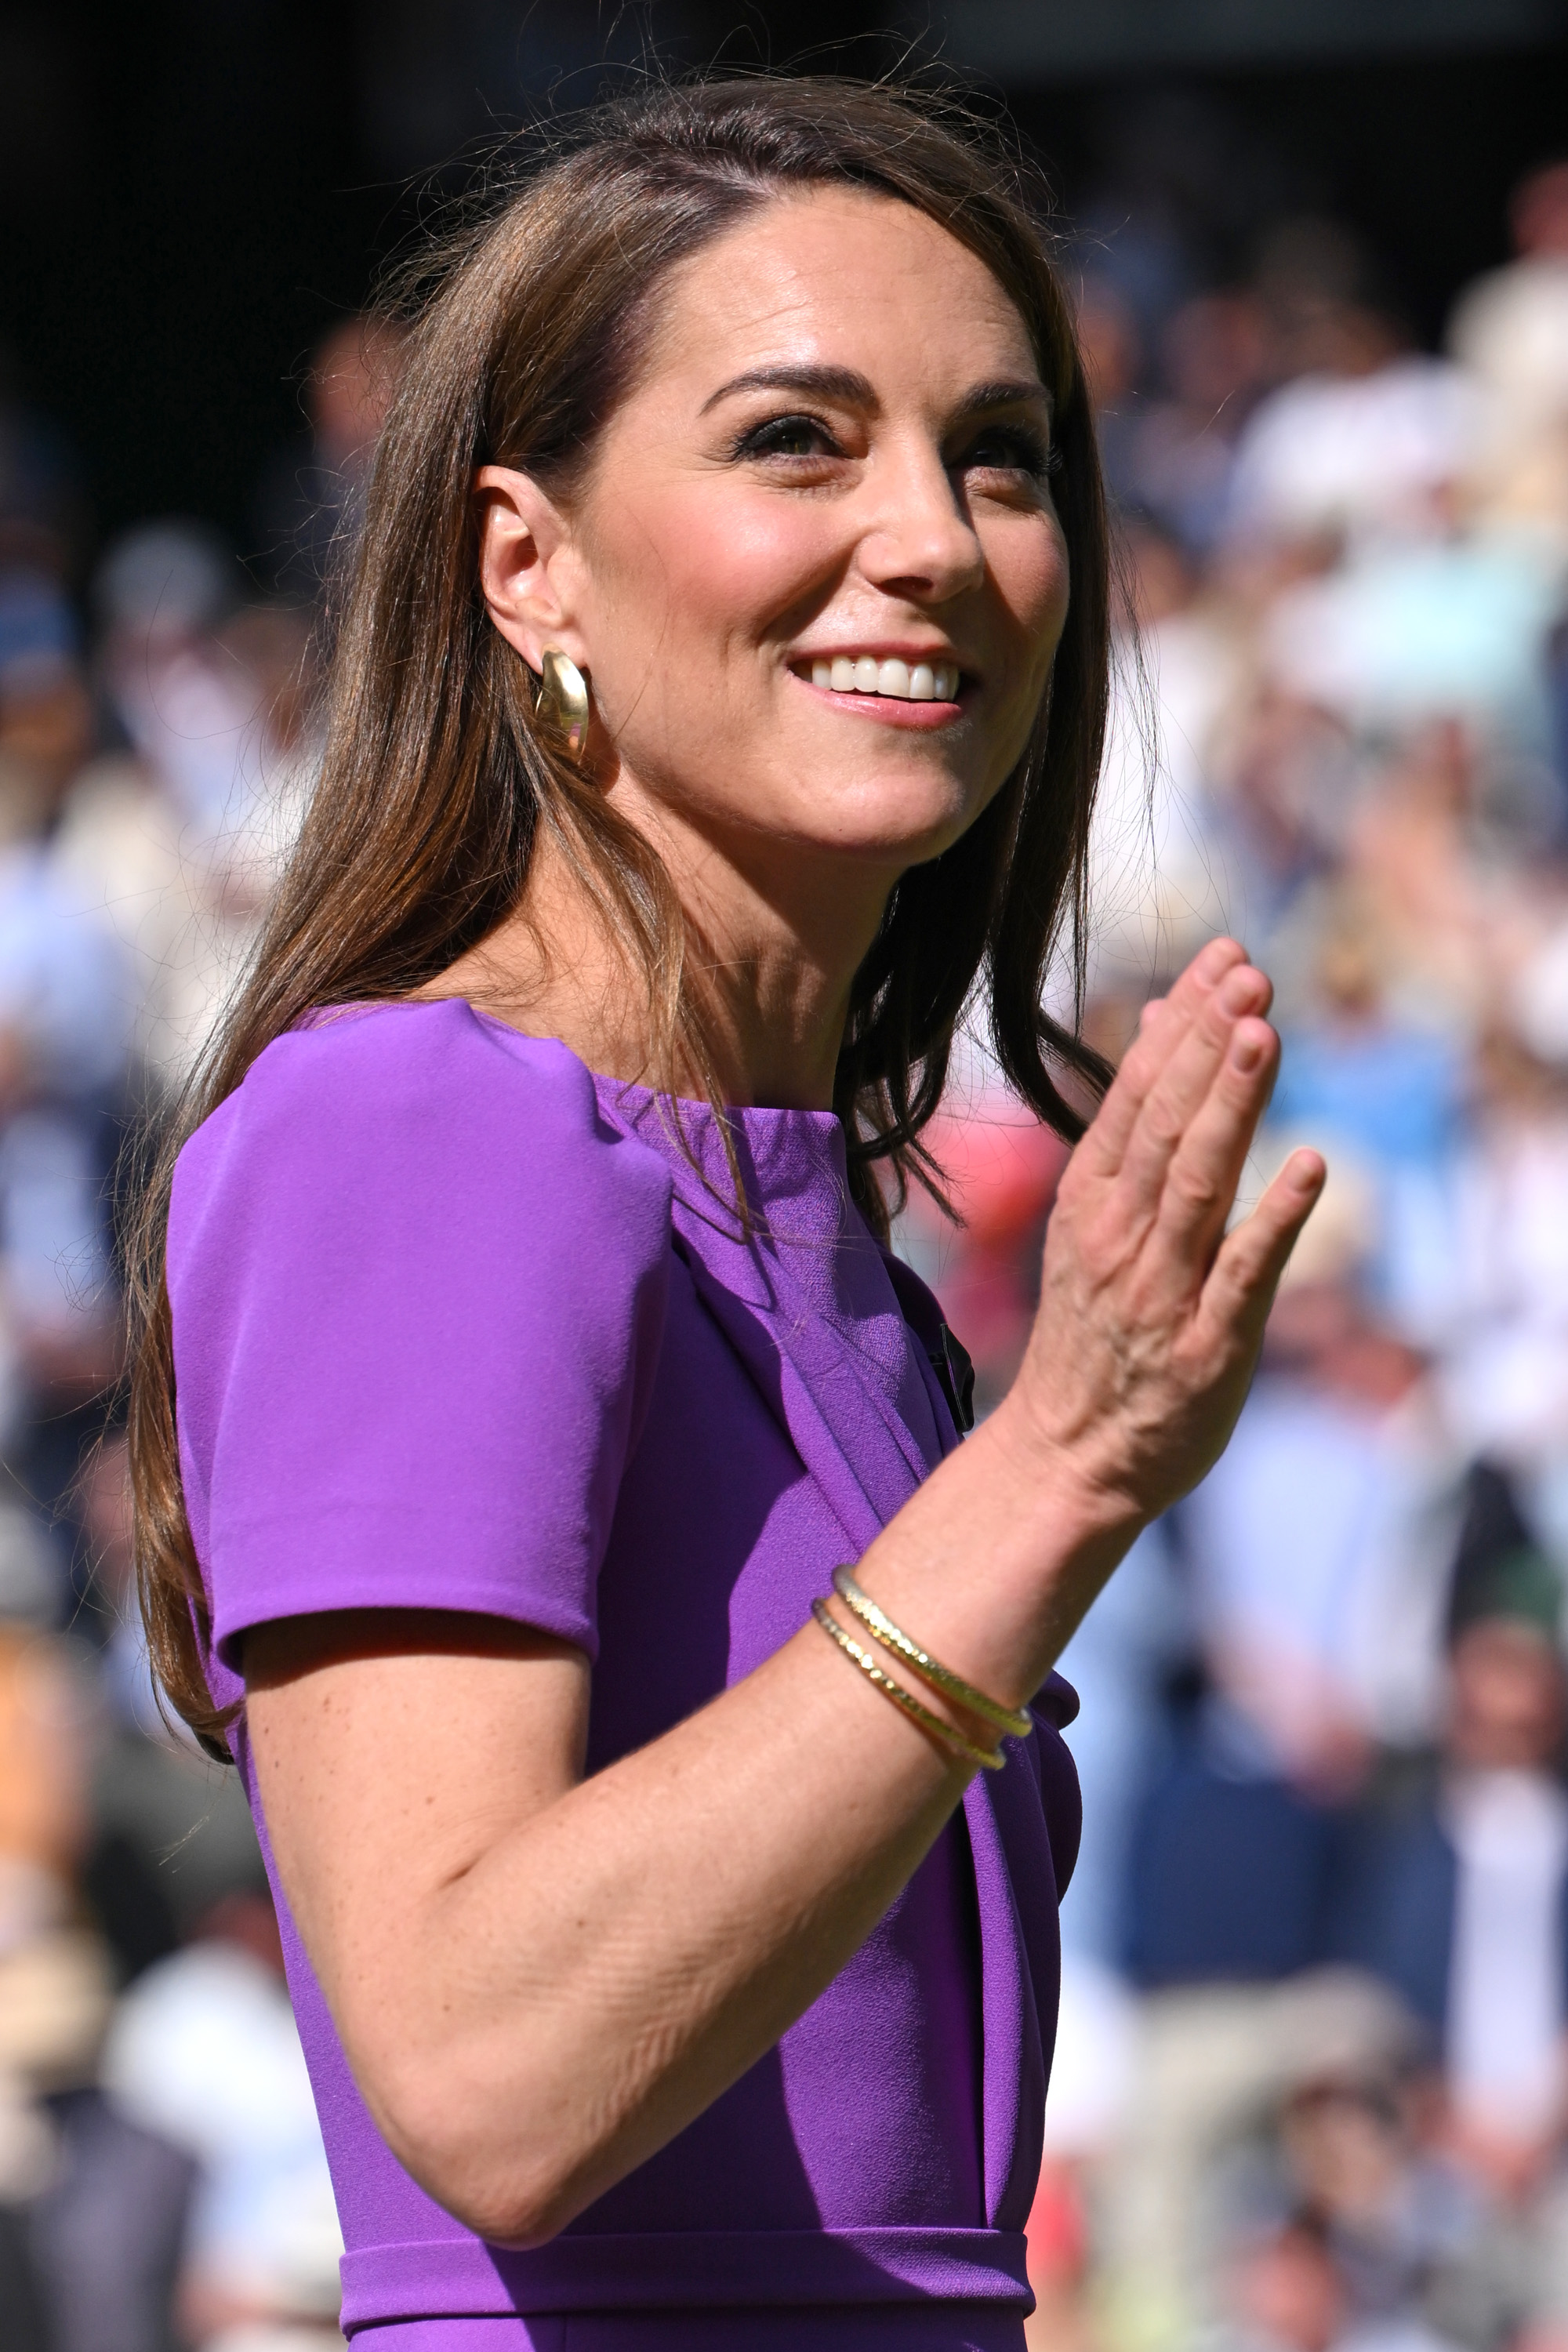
{"x":924,"y":718}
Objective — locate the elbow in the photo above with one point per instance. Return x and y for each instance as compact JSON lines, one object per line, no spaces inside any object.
{"x":518,"y":2213}
{"x":512,"y":2187}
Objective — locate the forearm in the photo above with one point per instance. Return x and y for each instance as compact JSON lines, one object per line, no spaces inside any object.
{"x":554,"y":2011}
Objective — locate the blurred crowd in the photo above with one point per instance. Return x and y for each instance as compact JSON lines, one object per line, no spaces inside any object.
{"x":1311,"y":2092}
{"x":163,"y":2186}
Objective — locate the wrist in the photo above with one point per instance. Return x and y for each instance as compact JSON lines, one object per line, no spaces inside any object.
{"x":1057,"y":1484}
{"x":1065,"y":1533}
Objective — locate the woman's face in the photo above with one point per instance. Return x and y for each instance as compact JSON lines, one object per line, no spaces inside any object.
{"x":831,"y":477}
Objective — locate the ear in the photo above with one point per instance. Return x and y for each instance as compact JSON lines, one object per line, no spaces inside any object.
{"x":526,"y":562}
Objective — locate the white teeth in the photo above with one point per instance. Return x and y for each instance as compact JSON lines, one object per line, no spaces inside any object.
{"x":864,"y":674}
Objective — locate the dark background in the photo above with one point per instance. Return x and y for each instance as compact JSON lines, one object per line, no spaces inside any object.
{"x":193,"y":190}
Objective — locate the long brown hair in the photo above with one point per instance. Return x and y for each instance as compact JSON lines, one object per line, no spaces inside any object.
{"x":527,"y":323}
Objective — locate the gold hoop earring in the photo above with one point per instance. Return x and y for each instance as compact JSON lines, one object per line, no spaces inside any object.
{"x":564,"y":698}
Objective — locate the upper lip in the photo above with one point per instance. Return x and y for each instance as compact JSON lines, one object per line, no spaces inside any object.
{"x":885,"y":649}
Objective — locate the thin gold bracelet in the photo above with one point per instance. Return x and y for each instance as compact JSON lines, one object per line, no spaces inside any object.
{"x":991,"y":1760}
{"x":1015,"y":1721}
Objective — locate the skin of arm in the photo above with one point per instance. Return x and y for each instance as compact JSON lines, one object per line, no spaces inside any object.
{"x":538,"y":1979}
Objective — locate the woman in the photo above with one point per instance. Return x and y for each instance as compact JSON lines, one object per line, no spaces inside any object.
{"x":720,"y":692}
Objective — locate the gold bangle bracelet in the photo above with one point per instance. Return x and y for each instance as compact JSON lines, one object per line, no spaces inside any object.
{"x":990,"y":1760}
{"x":1015,"y":1721}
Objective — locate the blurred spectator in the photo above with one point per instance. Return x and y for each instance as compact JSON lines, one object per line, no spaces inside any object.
{"x":1355,"y":1073}
{"x":1214,"y":355}
{"x":1369,"y":445}
{"x":204,"y":2053}
{"x":1361,"y":435}
{"x":1414,"y":631}
{"x":1506,"y":1369}
{"x":1511,"y":327}
{"x":175,"y":849}
{"x":1213,"y":2065}
{"x":1462,"y":1901}
{"x":64,"y":1028}
{"x":1510,"y":332}
{"x":1124,"y":1659}
{"x":1316,"y":1550}
{"x":172,"y":1837}
{"x":1284,"y":771}
{"x":97,"y":2205}
{"x":1352,"y":2227}
{"x":1159,"y":867}
{"x":310,"y":500}
{"x":1112,"y":353}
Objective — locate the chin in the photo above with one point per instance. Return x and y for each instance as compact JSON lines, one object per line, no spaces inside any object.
{"x":906,"y":825}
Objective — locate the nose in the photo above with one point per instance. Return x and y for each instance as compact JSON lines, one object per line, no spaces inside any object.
{"x":919,"y":541}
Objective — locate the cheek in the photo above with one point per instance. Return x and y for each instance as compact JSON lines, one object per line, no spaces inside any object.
{"x":708,"y":573}
{"x":1030,"y":569}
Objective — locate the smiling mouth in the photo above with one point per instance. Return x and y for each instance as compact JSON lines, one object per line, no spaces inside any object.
{"x":893,"y":681}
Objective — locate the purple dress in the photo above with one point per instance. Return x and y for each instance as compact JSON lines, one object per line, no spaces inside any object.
{"x":459,"y":1326}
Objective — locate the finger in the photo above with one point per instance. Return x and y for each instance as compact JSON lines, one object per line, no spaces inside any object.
{"x":1205,"y":1168}
{"x":1184,"y":1085}
{"x":1246,"y":1274}
{"x":1158,"y":1038}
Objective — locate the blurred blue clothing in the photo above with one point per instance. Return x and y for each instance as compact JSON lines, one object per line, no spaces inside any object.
{"x":1396,"y":1092}
{"x":108,"y":2231}
{"x":1234,"y":1877}
{"x":54,"y":1225}
{"x":1395,"y":1910}
{"x":63,"y":985}
{"x":38,"y":627}
{"x":1291,"y":1541}
{"x":1395,"y":1097}
{"x":1118,"y":1662}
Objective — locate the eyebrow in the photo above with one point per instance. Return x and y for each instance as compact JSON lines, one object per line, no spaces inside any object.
{"x":828,"y":382}
{"x":855,"y":390}
{"x":1006,"y":392}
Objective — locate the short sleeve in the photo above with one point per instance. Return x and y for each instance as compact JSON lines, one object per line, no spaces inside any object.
{"x":418,"y":1290}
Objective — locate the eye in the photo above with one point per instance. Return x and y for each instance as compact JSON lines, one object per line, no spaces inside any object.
{"x":787,"y":437}
{"x":1012,"y":449}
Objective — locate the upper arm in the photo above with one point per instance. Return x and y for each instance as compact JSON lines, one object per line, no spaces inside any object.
{"x":417,"y":1292}
{"x":394,"y":1748}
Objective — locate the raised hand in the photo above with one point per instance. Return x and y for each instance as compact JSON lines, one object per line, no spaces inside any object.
{"x":1150,"y":1316}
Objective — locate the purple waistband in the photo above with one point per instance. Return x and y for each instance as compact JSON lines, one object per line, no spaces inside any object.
{"x":756,"y":2269}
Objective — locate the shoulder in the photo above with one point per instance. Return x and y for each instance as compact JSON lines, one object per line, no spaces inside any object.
{"x":418,"y":1289}
{"x":416,"y":1165}
{"x":427,"y":1103}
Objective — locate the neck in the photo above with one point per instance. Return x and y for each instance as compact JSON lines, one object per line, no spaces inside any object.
{"x":773,"y":953}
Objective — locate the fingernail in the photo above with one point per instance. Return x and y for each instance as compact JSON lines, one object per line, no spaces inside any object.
{"x":1246,"y":1053}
